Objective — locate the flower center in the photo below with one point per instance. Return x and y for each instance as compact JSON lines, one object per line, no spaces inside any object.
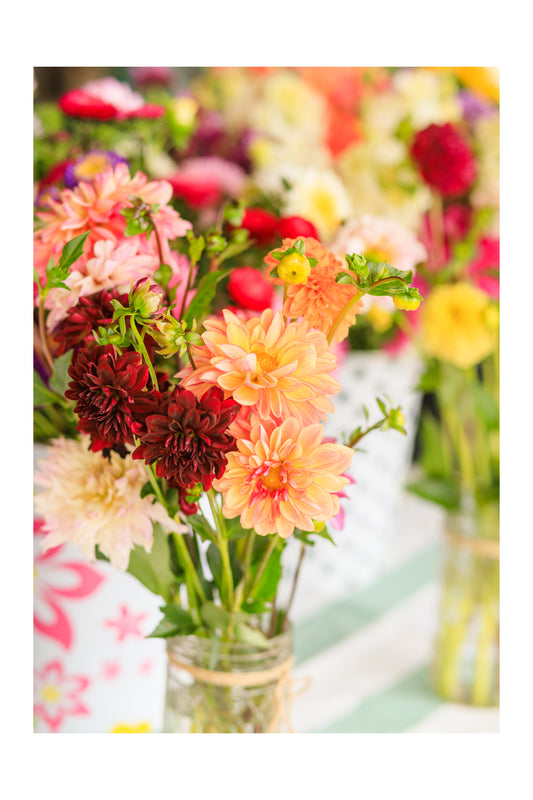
{"x":51,"y":693}
{"x":272,"y":480}
{"x":266,"y":361}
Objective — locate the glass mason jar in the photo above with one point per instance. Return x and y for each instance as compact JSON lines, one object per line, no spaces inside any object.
{"x":466,"y":667}
{"x":226,"y":687}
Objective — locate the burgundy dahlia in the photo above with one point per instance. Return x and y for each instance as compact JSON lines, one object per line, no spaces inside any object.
{"x":187,"y":438}
{"x":90,"y":312}
{"x":112,"y":401}
{"x":444,"y":159}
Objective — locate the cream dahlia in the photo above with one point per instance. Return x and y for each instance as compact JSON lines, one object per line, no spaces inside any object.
{"x":91,"y":500}
{"x":275,"y":368}
{"x":282,"y":476}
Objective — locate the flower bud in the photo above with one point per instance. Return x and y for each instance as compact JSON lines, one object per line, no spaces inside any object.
{"x":294,"y":268}
{"x":405,"y":302}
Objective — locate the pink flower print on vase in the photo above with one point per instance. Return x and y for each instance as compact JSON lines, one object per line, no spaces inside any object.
{"x":56,"y":582}
{"x":57,"y":695}
{"x":126,"y":624}
{"x":111,"y":670}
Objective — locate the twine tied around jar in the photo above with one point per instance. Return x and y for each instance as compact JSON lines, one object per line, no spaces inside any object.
{"x":488,"y":548}
{"x":284,"y":692}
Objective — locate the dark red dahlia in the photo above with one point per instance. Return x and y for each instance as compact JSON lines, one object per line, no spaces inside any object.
{"x":187,"y":438}
{"x":112,"y":400}
{"x":249,"y":287}
{"x":88,"y":314}
{"x":444,"y":159}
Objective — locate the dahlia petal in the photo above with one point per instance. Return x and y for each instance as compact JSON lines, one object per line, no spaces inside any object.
{"x":246,"y":395}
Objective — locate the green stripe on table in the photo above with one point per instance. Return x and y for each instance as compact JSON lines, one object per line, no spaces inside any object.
{"x":392,"y":711}
{"x":347,"y":616}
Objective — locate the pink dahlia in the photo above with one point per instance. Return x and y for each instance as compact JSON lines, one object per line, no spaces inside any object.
{"x":95,"y":207}
{"x":274,"y":368}
{"x":445,"y":159}
{"x":282,"y":476}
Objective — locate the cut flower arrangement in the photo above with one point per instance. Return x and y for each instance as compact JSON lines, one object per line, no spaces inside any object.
{"x":192,"y":449}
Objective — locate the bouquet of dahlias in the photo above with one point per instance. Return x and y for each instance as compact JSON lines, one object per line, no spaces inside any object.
{"x":193,"y":447}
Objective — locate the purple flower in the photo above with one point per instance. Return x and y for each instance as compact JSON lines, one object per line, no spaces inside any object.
{"x":89,"y":165}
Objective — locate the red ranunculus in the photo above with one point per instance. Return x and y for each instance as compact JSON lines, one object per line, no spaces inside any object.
{"x":79,"y":103}
{"x":198,"y":192}
{"x":249,"y":287}
{"x":293,"y":227}
{"x":444,"y":159}
{"x":260,"y":224}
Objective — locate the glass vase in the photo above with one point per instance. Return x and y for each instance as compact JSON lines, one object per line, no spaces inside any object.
{"x":467,"y":656}
{"x":227,"y":687}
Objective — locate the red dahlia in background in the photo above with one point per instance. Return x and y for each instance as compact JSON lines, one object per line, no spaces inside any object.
{"x":187,"y":437}
{"x":260,"y":224}
{"x":444,"y":159}
{"x":293,"y":227}
{"x":250,"y":289}
{"x":112,"y":401}
{"x":90,"y":312}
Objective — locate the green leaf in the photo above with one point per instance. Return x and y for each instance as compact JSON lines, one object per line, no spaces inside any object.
{"x":201,"y":302}
{"x":443,"y":492}
{"x":179,"y":618}
{"x":345,"y":277}
{"x":60,"y":377}
{"x":218,"y":618}
{"x":269,"y":580}
{"x":247,"y":635}
{"x":42,"y":396}
{"x":201,"y":527}
{"x":163,"y":274}
{"x":153,"y":569}
{"x":486,"y":406}
{"x":72,"y":251}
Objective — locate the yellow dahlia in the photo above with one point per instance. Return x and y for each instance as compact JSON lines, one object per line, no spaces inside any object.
{"x":457,"y":324}
{"x":276,"y":368}
{"x":319,"y":300}
{"x":282,"y":476}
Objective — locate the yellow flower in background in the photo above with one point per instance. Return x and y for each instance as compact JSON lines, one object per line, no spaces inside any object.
{"x":380,"y":319}
{"x":141,"y":727}
{"x":484,"y":81}
{"x":457,"y":324}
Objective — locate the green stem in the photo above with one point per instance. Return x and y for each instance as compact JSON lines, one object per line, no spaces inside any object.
{"x":222,"y":545}
{"x":342,"y":313}
{"x":484,"y":662}
{"x":42,"y":334}
{"x":261,"y":567}
{"x":191,"y":577}
{"x":144,"y":352}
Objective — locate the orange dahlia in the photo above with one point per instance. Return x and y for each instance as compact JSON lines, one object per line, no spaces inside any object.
{"x":282,"y":476}
{"x":319,"y":300}
{"x":275,"y":368}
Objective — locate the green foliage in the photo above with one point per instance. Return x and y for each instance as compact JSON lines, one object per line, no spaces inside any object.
{"x":57,"y":274}
{"x":442,"y":491}
{"x":176,"y":621}
{"x":203,"y":299}
{"x":268,"y":582}
{"x":60,"y":377}
{"x":153,"y":569}
{"x":378,"y":279}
